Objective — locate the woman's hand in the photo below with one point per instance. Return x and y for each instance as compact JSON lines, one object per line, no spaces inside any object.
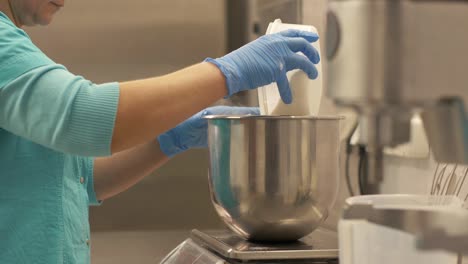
{"x":193,"y":133}
{"x":267,"y":60}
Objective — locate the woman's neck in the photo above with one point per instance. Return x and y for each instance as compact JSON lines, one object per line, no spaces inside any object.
{"x":7,"y":9}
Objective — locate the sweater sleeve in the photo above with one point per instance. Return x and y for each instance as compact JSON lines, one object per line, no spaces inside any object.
{"x":52,"y":107}
{"x":89,"y":172}
{"x":43,"y":102}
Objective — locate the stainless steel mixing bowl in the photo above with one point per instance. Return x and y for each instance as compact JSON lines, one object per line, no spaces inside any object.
{"x":273,"y":178}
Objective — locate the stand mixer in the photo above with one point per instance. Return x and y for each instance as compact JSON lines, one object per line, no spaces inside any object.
{"x":388,"y":60}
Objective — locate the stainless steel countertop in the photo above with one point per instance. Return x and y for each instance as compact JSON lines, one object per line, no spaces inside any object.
{"x":139,"y":247}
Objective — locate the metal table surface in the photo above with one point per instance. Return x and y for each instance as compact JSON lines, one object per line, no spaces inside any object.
{"x":136,"y":247}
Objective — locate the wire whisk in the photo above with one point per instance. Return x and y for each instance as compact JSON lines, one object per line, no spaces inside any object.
{"x":450,"y":179}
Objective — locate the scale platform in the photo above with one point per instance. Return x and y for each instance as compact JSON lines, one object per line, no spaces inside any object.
{"x":320,"y":246}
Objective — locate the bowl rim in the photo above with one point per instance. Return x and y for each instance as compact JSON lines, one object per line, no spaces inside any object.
{"x":274,"y":117}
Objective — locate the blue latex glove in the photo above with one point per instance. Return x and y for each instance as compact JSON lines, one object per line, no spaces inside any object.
{"x":193,"y":132}
{"x":267,"y":60}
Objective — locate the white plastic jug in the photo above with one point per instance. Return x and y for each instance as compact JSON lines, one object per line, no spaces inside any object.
{"x":306,"y":93}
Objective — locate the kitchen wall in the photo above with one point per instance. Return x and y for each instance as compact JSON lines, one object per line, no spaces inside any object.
{"x":115,"y":40}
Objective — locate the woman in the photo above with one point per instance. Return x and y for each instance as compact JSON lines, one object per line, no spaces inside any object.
{"x":66,"y":143}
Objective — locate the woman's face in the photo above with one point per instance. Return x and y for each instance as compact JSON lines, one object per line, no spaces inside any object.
{"x":35,"y":12}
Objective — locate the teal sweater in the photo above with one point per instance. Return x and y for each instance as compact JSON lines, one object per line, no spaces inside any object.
{"x":51,"y":125}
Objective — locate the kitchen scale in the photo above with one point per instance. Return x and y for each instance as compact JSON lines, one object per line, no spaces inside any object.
{"x":219,"y":247}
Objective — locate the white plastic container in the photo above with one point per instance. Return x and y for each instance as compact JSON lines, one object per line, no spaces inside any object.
{"x":306,"y":93}
{"x":363,"y":242}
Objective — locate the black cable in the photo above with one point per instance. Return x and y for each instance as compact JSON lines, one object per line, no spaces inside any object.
{"x":362,"y":170}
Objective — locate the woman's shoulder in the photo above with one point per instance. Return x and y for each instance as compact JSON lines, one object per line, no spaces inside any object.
{"x":18,"y":54}
{"x":13,"y":40}
{"x":9,"y":31}
{"x":5,"y":20}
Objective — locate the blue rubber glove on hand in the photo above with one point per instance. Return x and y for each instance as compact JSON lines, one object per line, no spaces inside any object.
{"x":193,"y":132}
{"x":267,"y":60}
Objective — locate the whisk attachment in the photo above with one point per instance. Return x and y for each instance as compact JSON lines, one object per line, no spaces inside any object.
{"x":450,"y":179}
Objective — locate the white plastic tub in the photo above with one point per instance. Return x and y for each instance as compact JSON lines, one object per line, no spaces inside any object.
{"x":363,"y":242}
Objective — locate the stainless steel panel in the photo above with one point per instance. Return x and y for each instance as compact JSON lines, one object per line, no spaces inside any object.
{"x":399,"y":52}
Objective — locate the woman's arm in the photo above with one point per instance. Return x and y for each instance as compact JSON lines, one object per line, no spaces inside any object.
{"x":120,"y":171}
{"x":182,"y":93}
{"x":52,"y":107}
{"x":117,"y":173}
{"x":170,"y":99}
